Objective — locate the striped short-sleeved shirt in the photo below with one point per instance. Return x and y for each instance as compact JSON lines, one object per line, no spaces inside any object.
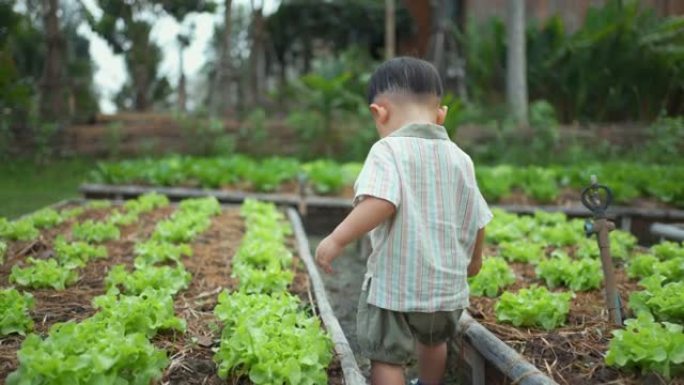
{"x":420,"y":257}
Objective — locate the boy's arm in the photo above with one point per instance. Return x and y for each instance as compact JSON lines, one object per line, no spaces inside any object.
{"x":366,"y":216}
{"x":476,"y":258}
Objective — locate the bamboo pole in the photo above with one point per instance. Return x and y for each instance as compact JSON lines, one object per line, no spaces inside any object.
{"x":350,"y":369}
{"x":502,"y":356}
{"x":390,"y":29}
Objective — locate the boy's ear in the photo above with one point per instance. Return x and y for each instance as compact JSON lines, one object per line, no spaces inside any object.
{"x":442,"y":114}
{"x":380,"y":113}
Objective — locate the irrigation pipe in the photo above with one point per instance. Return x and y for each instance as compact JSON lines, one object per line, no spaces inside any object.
{"x":668,"y":231}
{"x":503,"y":357}
{"x":350,"y":369}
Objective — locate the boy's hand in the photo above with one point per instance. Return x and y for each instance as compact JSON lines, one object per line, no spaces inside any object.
{"x":326,"y":252}
{"x":366,"y":216}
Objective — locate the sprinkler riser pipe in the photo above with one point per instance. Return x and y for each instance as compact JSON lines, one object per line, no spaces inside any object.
{"x":602,"y":228}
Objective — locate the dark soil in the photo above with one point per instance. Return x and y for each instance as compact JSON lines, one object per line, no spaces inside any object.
{"x":190,"y":353}
{"x":572,"y":354}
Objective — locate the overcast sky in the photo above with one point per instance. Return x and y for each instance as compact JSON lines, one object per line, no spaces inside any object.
{"x":111,"y":72}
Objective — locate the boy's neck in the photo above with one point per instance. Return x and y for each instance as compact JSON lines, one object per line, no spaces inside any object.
{"x":409,"y":117}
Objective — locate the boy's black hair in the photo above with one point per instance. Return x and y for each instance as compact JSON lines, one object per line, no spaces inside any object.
{"x":405,"y":74}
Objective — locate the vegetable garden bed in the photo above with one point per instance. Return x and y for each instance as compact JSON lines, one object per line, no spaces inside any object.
{"x":187,"y":275}
{"x":646,"y":186}
{"x":323,"y":213}
{"x":564,"y":331}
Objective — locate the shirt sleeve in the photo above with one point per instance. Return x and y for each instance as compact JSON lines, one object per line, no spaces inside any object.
{"x":483,"y":215}
{"x":379,"y":177}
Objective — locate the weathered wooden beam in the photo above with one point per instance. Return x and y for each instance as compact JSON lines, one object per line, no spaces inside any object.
{"x":350,"y":369}
{"x":503,"y":357}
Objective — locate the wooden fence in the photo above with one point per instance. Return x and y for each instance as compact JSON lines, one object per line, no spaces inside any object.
{"x":135,"y":134}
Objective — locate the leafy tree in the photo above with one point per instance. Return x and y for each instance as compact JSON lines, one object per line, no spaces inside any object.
{"x":24,"y":74}
{"x":329,"y":22}
{"x":624,"y":63}
{"x":17,"y":64}
{"x":126,"y":26}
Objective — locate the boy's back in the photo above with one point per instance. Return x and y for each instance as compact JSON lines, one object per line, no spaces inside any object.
{"x":418,"y":198}
{"x":420,"y":258}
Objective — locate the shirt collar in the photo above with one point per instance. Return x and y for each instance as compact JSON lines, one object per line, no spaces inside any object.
{"x":421,"y":130}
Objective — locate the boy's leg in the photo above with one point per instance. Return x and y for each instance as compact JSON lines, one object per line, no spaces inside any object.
{"x":431,"y":363}
{"x":432,"y":331}
{"x":386,"y":374}
{"x":385,"y":337}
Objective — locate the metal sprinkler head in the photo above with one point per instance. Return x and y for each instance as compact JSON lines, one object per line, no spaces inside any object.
{"x":597,"y":198}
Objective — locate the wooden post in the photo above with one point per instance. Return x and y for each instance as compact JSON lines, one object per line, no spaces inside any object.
{"x":390,"y":29}
{"x":516,"y":64}
{"x":52,"y":81}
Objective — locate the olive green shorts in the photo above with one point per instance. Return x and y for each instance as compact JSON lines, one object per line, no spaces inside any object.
{"x":390,"y":336}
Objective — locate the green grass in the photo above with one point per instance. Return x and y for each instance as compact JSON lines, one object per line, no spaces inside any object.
{"x":26,"y":186}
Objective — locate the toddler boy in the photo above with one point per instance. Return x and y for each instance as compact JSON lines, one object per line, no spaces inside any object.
{"x":418,"y":197}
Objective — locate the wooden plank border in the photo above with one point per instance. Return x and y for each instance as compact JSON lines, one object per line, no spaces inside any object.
{"x":123,"y":191}
{"x":350,"y":369}
{"x":499,"y":354}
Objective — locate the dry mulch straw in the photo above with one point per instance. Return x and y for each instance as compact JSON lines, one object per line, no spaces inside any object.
{"x":190,"y":354}
{"x":571,"y":354}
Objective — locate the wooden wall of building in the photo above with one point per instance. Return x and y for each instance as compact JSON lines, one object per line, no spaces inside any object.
{"x":572,"y":11}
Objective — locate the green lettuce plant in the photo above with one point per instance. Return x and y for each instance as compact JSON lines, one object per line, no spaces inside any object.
{"x":118,"y":218}
{"x":88,"y":352}
{"x":494,"y":276}
{"x":19,"y":230}
{"x":152,"y":252}
{"x":668,"y":250}
{"x":14,"y":312}
{"x":521,"y":251}
{"x":72,"y":212}
{"x":535,"y":307}
{"x":3,"y":252}
{"x":144,"y":313}
{"x":664,"y":301}
{"x":271,"y":340}
{"x":207,"y":206}
{"x":621,"y":244}
{"x":95,"y":232}
{"x":166,"y":279}
{"x":270,"y":279}
{"x":648,"y":346}
{"x":262,"y":262}
{"x":579,"y":275}
{"x":642,"y":265}
{"x":145,"y":203}
{"x":326,"y":176}
{"x":560,"y":234}
{"x":76,"y":254}
{"x":43,"y":273}
{"x":46,"y":218}
{"x":181,"y":228}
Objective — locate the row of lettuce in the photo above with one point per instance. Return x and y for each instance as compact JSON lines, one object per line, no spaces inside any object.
{"x":566,"y":262}
{"x":629,"y":181}
{"x":267,"y":333}
{"x":114,"y":345}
